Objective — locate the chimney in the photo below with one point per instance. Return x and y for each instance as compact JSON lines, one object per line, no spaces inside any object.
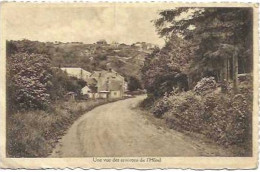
{"x":81,"y":73}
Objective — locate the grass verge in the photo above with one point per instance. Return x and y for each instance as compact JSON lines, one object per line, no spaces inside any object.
{"x":35,"y":133}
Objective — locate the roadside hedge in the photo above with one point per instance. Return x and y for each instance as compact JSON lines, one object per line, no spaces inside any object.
{"x":224,"y":118}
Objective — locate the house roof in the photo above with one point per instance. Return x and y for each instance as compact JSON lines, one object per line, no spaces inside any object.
{"x":75,"y":70}
{"x":91,"y":81}
{"x":104,"y":73}
{"x":86,"y":88}
{"x":96,"y":74}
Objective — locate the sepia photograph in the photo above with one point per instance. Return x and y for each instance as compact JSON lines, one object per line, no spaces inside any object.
{"x":128,"y":85}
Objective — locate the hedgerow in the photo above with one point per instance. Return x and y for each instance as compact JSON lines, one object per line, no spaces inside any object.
{"x":225,"y":118}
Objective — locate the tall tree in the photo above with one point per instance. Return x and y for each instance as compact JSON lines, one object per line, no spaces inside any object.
{"x":164,"y":69}
{"x":133,"y":84}
{"x":207,"y":29}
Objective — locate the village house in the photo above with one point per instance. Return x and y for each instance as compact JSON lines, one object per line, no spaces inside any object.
{"x":114,"y":44}
{"x":151,"y":46}
{"x":77,"y":72}
{"x":109,"y":84}
{"x":87,"y":92}
{"x":102,"y":42}
{"x":90,"y":90}
{"x":100,"y":84}
{"x":142,"y":46}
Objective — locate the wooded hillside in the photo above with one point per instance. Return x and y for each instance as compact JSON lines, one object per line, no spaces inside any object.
{"x":125,"y":59}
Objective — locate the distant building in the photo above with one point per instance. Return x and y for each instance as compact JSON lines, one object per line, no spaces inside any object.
{"x":102,"y":42}
{"x":115,"y":44}
{"x":109,"y":84}
{"x":142,"y":46}
{"x":151,"y":46}
{"x":77,"y":72}
{"x":57,"y":43}
{"x":100,"y":84}
{"x":86,"y":91}
{"x":122,"y":45}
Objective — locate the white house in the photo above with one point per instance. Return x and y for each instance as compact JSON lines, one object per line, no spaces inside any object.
{"x":85,"y":90}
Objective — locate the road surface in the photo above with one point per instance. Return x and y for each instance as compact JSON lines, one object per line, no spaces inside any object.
{"x":118,"y":129}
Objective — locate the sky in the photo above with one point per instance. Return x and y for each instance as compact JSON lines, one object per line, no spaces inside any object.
{"x":84,"y":24}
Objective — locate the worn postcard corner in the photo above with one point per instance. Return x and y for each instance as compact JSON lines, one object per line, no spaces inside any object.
{"x":137,"y":85}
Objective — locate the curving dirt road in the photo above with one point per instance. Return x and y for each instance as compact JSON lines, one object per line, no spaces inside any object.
{"x":117,"y":129}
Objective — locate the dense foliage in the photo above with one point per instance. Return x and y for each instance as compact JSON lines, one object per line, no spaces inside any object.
{"x":163,"y":69}
{"x":212,"y":32}
{"x":221,"y":117}
{"x":28,"y":79}
{"x":205,"y":85}
{"x":133,"y":84}
{"x":31,"y":81}
{"x":208,"y":48}
{"x":61,"y":84}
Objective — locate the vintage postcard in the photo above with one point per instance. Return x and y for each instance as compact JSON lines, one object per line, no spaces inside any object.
{"x":129,"y":85}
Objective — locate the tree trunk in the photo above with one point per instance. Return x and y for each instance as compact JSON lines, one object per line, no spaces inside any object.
{"x":235,"y":72}
{"x":228,"y":70}
{"x":225,"y":68}
{"x":224,"y":75}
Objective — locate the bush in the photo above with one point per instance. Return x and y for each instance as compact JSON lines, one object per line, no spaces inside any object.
{"x":229,"y":119}
{"x":205,"y":85}
{"x":133,"y":84}
{"x":27,"y":80}
{"x":160,"y":107}
{"x":224,"y":118}
{"x":246,"y":88}
{"x":148,"y":102}
{"x":186,"y":112}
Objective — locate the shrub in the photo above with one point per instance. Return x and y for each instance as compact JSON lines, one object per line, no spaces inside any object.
{"x":27,"y":80}
{"x":205,"y":85}
{"x":225,"y":118}
{"x":160,"y":107}
{"x":229,"y":119}
{"x":148,"y":102}
{"x":133,"y":84}
{"x":246,"y":88}
{"x":186,"y":112}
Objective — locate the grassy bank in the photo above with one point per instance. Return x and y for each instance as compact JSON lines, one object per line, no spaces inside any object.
{"x":35,"y":133}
